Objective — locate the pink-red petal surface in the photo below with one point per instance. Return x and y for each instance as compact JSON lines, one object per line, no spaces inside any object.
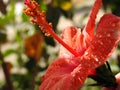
{"x":75,"y":39}
{"x":63,"y":74}
{"x":89,"y":29}
{"x":104,"y":42}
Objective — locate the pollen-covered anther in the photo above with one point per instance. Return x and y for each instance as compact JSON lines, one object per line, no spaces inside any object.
{"x":33,"y":9}
{"x":47,"y":34}
{"x":43,"y":13}
{"x":44,"y":30}
{"x":33,"y":20}
{"x":36,"y":7}
{"x":50,"y":24}
{"x":28,"y":12}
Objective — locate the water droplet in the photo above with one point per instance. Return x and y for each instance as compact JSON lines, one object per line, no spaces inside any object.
{"x":96,"y":59}
{"x":101,"y":43}
{"x":92,"y":47}
{"x":113,"y":24}
{"x":99,"y":36}
{"x":108,"y":35}
{"x":86,"y":53}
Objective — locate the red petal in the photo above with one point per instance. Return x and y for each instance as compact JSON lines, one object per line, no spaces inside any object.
{"x":89,"y":28}
{"x":73,"y":37}
{"x":104,"y":42}
{"x":63,"y":74}
{"x":117,"y":78}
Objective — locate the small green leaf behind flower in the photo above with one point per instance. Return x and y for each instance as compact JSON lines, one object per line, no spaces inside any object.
{"x":104,"y":76}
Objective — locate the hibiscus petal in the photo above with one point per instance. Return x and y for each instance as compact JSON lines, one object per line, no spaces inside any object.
{"x":104,"y":42}
{"x":73,"y":37}
{"x":88,"y":31}
{"x":63,"y":74}
{"x":102,"y":46}
{"x":58,"y":75}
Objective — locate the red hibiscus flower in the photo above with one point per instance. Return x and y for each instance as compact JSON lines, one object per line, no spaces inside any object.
{"x":81,"y":51}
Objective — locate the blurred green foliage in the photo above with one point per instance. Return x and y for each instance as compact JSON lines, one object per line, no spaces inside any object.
{"x":114,"y":5}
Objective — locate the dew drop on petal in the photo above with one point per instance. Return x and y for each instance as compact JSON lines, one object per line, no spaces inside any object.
{"x":113,"y":24}
{"x":86,"y":53}
{"x":101,"y":43}
{"x":108,"y":35}
{"x":99,"y":36}
{"x":96,"y":59}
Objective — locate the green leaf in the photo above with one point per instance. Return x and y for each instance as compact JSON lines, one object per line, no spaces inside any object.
{"x":43,"y":7}
{"x":0,"y":62}
{"x":104,"y":76}
{"x":25,"y":18}
{"x":3,"y":37}
{"x":8,"y":52}
{"x":10,"y":14}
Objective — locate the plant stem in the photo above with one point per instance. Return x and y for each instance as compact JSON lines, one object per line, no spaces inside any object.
{"x":6,"y":73}
{"x":33,"y":79}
